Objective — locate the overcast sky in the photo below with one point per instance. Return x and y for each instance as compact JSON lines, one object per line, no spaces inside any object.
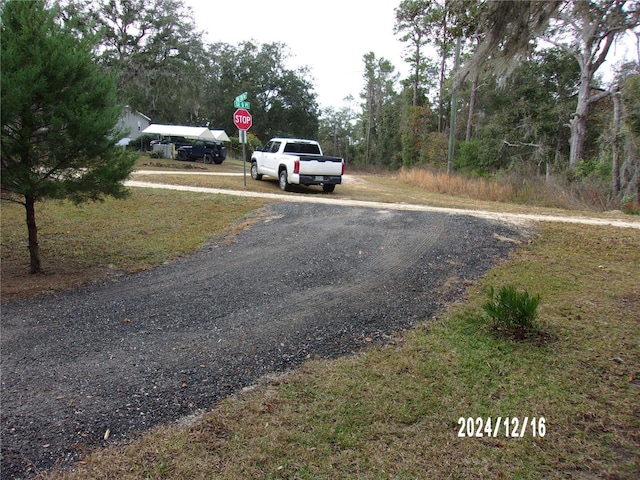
{"x":328,"y":36}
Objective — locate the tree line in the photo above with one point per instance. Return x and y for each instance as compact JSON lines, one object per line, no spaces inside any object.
{"x":69,"y":66}
{"x":520,"y":104}
{"x":528,"y":94}
{"x":169,"y":73}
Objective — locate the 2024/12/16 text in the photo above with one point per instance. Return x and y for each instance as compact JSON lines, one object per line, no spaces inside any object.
{"x":509,"y":427}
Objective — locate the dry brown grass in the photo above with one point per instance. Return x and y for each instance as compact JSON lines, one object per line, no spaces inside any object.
{"x":457,"y":185}
{"x":512,"y":189}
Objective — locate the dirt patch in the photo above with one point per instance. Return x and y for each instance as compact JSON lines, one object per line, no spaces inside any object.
{"x":17,"y":282}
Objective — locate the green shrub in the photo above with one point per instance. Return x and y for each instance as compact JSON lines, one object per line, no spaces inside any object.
{"x":594,"y":168}
{"x":513,"y":311}
{"x":483,"y":155}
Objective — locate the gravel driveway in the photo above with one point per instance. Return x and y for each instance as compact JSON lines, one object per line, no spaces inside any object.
{"x":141,"y":350}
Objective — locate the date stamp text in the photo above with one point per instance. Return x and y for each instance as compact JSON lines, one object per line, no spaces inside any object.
{"x":509,"y":427}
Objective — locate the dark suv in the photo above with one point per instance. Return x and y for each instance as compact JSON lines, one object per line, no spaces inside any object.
{"x":210,"y":152}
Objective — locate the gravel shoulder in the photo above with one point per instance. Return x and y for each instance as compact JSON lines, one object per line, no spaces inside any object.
{"x":308,"y":280}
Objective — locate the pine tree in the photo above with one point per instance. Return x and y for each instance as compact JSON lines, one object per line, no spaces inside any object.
{"x":59,"y":113}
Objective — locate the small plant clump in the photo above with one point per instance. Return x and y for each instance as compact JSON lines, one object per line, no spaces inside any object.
{"x":631,"y":206}
{"x":513,"y":311}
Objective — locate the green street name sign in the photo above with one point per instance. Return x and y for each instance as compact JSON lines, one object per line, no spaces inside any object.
{"x":240,"y":101}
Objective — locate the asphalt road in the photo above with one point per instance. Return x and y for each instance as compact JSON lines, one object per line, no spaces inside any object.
{"x":306,"y":280}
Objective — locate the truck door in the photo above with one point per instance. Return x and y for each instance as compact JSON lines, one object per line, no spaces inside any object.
{"x":271,"y":159}
{"x":198,"y":149}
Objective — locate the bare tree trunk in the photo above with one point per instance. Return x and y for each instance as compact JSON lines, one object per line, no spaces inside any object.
{"x":443,"y":64}
{"x":547,"y":175}
{"x":557,"y":155}
{"x":472,"y":104}
{"x":416,"y":78}
{"x":378,"y":122}
{"x":579,"y":120}
{"x":368,"y":131}
{"x":441,"y":95}
{"x":34,"y":246}
{"x":454,"y":111}
{"x":615,"y":144}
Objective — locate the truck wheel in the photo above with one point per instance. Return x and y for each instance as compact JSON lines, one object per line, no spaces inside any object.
{"x":218,"y":160}
{"x":207,"y":158}
{"x":182,"y":155}
{"x":254,"y":171}
{"x":283,"y":181}
{"x":328,"y":188}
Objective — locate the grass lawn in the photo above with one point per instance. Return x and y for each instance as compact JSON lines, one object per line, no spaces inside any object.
{"x":393,"y":412}
{"x":82,"y":243}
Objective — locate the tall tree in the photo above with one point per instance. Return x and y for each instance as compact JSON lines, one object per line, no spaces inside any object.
{"x":422,"y":23}
{"x":587,"y":29}
{"x":506,"y":30}
{"x":282,"y":99}
{"x":629,"y":183}
{"x":464,"y":22}
{"x":524,"y":122}
{"x":415,"y":21}
{"x":379,"y":77}
{"x":59,"y":112}
{"x":167,"y":72}
{"x":156,"y":50}
{"x":337,"y":130}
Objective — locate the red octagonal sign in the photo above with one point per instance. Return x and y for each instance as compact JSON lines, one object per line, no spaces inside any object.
{"x":242,"y":119}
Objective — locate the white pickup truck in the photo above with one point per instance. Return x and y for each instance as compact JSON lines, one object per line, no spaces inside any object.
{"x":296,"y":161}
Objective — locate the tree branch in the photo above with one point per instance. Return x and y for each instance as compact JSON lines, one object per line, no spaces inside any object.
{"x":522,"y":144}
{"x":605,"y":50}
{"x":599,"y":96}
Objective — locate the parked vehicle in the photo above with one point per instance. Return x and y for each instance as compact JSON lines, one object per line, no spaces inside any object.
{"x":297,"y":161}
{"x":177,"y":141}
{"x":210,"y":152}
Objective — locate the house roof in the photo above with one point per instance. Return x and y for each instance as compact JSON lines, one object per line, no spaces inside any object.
{"x":221,"y":135}
{"x":202,"y":133}
{"x":128,"y":108}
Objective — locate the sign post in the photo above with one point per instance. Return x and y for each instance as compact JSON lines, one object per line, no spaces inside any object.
{"x":243,"y":120}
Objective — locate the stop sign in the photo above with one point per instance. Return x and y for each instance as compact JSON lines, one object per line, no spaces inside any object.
{"x":242,"y":119}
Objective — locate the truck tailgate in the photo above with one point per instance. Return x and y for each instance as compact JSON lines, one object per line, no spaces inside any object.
{"x":320,"y":165}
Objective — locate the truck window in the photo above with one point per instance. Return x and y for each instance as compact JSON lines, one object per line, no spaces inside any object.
{"x":305,"y":148}
{"x":275,"y":147}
